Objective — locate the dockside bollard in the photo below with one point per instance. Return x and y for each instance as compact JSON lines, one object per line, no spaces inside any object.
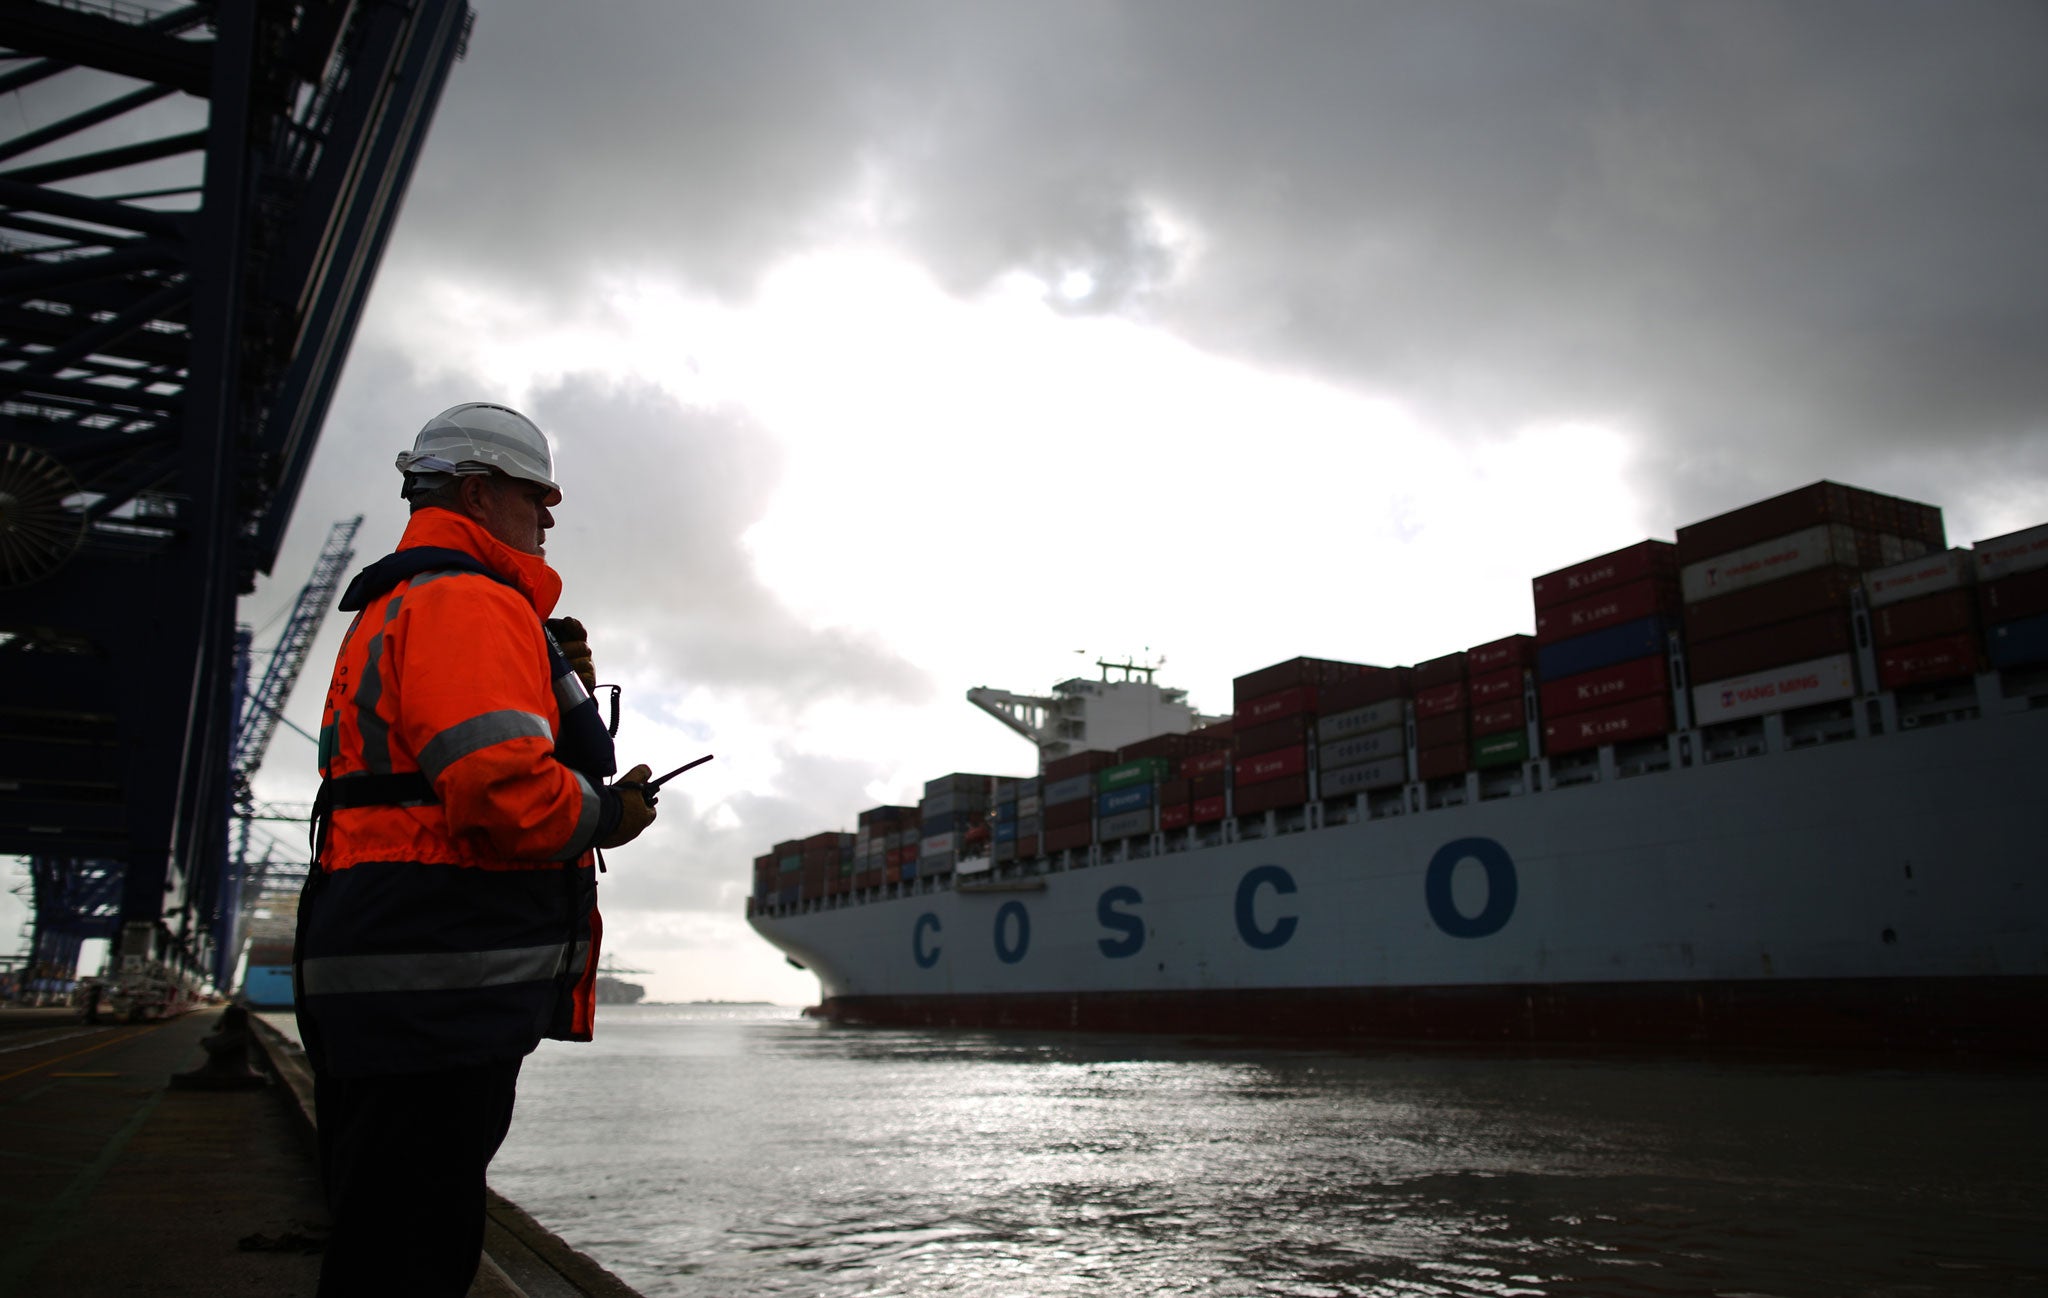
{"x":227,"y":1058}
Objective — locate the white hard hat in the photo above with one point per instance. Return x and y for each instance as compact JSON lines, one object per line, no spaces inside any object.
{"x":476,"y":437}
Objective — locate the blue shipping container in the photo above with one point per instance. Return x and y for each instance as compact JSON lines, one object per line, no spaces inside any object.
{"x":910,"y":869}
{"x":2015,"y":644}
{"x":1134,"y":798}
{"x":944,"y":823}
{"x":1603,"y":648}
{"x":1006,"y":831}
{"x":791,"y":894}
{"x":1005,"y":812}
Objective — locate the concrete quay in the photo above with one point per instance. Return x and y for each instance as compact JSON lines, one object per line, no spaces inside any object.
{"x":118,"y":1183}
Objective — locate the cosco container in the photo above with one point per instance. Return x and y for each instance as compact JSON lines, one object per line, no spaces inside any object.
{"x":1822,"y":680}
{"x":1941,"y":659}
{"x":1072,"y":789}
{"x":1494,"y":687}
{"x":1126,"y":825}
{"x":1146,"y":770}
{"x":2001,"y":556}
{"x":1510,"y":748}
{"x":1641,"y":719}
{"x":1117,"y":801}
{"x":1287,"y":732}
{"x":2015,"y":644}
{"x":1644,"y":559}
{"x":1357,"y":721}
{"x":1798,"y":641}
{"x":1948,"y":612}
{"x":1917,"y":577}
{"x":1616,"y":644}
{"x":1362,"y":748}
{"x":1270,"y":766}
{"x":2008,"y":599}
{"x":1629,"y":603}
{"x":1287,"y":791}
{"x":1381,"y":774}
{"x":1819,"y":591}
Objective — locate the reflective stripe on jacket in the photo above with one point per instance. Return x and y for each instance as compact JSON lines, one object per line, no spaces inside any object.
{"x":459,"y":929}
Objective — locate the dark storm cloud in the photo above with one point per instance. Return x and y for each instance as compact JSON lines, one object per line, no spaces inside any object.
{"x":1776,"y":240}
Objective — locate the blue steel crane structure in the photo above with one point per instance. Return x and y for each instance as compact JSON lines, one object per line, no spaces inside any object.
{"x":191,"y":216}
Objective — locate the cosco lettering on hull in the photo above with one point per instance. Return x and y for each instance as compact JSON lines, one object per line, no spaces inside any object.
{"x":1268,"y":909}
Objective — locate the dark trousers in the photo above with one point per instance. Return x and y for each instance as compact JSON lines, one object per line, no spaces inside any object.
{"x":402,"y":1159}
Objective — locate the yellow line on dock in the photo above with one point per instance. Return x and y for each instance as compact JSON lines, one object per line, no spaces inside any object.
{"x":129,"y":1036}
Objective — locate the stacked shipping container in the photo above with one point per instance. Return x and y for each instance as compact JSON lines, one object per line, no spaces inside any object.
{"x":2013,"y":595}
{"x":1443,"y":714}
{"x":954,"y":807}
{"x":1362,"y":732}
{"x":1274,"y":720}
{"x":1497,"y":690}
{"x":1603,"y":629}
{"x":1069,"y":798}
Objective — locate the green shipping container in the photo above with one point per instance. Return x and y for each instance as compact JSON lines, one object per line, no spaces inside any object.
{"x":792,"y":864}
{"x":1509,"y":748}
{"x":1146,"y":770}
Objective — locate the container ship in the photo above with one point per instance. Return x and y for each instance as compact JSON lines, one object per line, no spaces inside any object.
{"x":1776,"y":783}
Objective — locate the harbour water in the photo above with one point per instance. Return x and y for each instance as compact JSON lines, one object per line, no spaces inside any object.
{"x":707,"y":1150}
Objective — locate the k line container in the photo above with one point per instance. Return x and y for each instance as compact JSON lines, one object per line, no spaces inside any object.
{"x":1437,"y":700}
{"x":2008,"y":599}
{"x":1440,"y":671}
{"x":1948,"y":612}
{"x":1641,"y":719}
{"x":1287,"y":791}
{"x":1287,"y":732}
{"x":1944,"y":658}
{"x":1917,"y":577}
{"x":2001,"y":556}
{"x":1644,"y":559}
{"x":1271,"y":707}
{"x":1117,"y":801}
{"x":1779,"y":689}
{"x":1127,"y":825}
{"x":1821,"y":590}
{"x":1358,"y":721}
{"x":1435,"y":732}
{"x":1510,"y":748}
{"x":1495,"y":687}
{"x":1204,"y":810}
{"x":1201,"y":764}
{"x":1797,"y":641}
{"x":1498,"y":655}
{"x":1587,"y":653}
{"x":1629,"y":603}
{"x":1366,"y":776}
{"x":1270,"y":766}
{"x":1443,"y":761}
{"x":1498,"y":717}
{"x":1354,"y":749}
{"x":1176,"y":816}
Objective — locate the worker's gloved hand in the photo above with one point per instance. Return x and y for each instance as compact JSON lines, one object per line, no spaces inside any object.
{"x":574,"y":642}
{"x":634,"y":813}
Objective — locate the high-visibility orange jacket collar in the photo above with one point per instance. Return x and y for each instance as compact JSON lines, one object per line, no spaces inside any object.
{"x":528,"y":573}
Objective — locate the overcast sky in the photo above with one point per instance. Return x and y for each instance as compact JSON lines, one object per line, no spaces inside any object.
{"x":891,"y":349}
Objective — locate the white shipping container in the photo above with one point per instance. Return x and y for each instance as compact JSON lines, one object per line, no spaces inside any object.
{"x":1124,"y":825}
{"x":1363,"y":748}
{"x":1358,"y":721}
{"x":1027,"y":806}
{"x":976,"y":864}
{"x":1823,"y":680}
{"x":1004,"y":852}
{"x":1072,"y":789}
{"x":939,"y":845}
{"x":1027,"y":826}
{"x":1357,"y":779}
{"x":2002,"y":556}
{"x":1916,"y":577}
{"x":1753,"y":565}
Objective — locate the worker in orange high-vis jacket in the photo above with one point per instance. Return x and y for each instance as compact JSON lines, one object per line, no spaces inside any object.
{"x":449,"y":922}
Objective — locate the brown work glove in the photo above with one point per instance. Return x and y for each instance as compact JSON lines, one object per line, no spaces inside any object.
{"x":574,"y":643}
{"x":634,"y":813}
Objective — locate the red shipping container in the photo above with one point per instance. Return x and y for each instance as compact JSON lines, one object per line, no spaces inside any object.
{"x":1027,"y":847}
{"x":1809,"y":506}
{"x":1640,"y":719}
{"x":1630,"y":603}
{"x":1205,"y":763}
{"x":1176,"y":816}
{"x":892,"y":874}
{"x":1205,"y":810}
{"x":1815,"y":591}
{"x":1210,"y":785}
{"x":1440,"y":671}
{"x":1435,"y":732}
{"x":1644,"y":559}
{"x":893,"y":857}
{"x":1062,"y":814}
{"x":2008,"y":599}
{"x":1495,"y":686}
{"x":1443,"y":761}
{"x":1270,"y":766}
{"x":1170,"y":746}
{"x":1377,"y":685}
{"x":1498,"y":717}
{"x":1271,"y":707}
{"x":1942,"y":659}
{"x":1494,"y":655}
{"x":1436,"y":701}
{"x":1287,"y":791}
{"x":1295,"y":671}
{"x":1069,"y":836}
{"x":1797,"y":641}
{"x":1172,"y":791}
{"x":1951,"y":612}
{"x":1287,"y":732}
{"x":1086,"y":762}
